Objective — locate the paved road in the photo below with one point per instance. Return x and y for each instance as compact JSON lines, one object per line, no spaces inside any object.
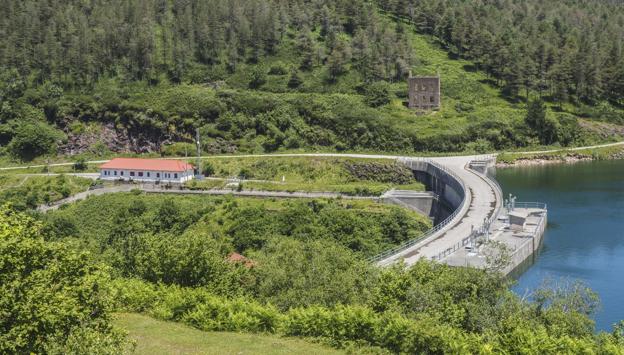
{"x":92,"y":176}
{"x":572,"y":149}
{"x":374,"y":156}
{"x":483,"y":199}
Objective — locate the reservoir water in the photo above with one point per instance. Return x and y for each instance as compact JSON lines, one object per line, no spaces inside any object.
{"x":585,"y":235}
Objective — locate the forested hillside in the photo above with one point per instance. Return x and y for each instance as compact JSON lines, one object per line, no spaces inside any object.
{"x":97,"y":78}
{"x":74,"y":43}
{"x":566,"y":50}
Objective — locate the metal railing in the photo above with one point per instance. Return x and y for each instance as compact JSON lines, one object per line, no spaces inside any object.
{"x":483,"y":229}
{"x":479,"y":233}
{"x":536,"y":205}
{"x":410,"y":243}
{"x":498,"y":190}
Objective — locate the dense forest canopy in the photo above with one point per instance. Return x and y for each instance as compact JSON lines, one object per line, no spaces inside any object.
{"x":563,"y":49}
{"x":104,"y":77}
{"x":77,"y":42}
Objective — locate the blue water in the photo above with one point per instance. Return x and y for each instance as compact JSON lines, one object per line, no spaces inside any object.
{"x":584,"y":239}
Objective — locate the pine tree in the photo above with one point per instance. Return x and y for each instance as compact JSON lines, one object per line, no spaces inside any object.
{"x":306,"y":49}
{"x":295,"y":80}
{"x":338,"y":59}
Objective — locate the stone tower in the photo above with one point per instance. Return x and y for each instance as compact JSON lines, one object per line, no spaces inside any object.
{"x":424,"y":92}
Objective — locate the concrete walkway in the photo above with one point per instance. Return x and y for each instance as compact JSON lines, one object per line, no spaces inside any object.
{"x":482,"y":201}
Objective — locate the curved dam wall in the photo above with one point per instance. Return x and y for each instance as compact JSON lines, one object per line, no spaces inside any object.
{"x":452,"y":198}
{"x":447,"y":187}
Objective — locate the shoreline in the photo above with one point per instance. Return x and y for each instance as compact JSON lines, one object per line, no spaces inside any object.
{"x":550,"y":159}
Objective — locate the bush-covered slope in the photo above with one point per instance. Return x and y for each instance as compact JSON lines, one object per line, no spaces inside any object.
{"x":263,"y":76}
{"x":299,"y":285}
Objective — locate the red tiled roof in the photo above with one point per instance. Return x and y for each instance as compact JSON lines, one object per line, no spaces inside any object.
{"x":237,"y":258}
{"x":147,"y":164}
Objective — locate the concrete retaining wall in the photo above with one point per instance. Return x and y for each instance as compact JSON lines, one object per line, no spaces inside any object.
{"x":450,"y":191}
{"x":528,"y":251}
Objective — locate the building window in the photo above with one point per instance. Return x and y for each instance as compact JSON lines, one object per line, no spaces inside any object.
{"x":158,"y":175}
{"x":140,"y":174}
{"x":115,"y":173}
{"x":132,"y":173}
{"x":175,"y":176}
{"x":148,"y":174}
{"x":431,"y":99}
{"x":121,"y":173}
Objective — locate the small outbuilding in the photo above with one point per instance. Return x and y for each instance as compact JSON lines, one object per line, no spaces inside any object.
{"x":237,"y":258}
{"x":517,"y":220}
{"x":147,"y":170}
{"x":424,"y":92}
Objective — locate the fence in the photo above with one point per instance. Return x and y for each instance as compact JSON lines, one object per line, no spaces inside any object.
{"x":480,"y":232}
{"x":535,"y":205}
{"x":476,"y":234}
{"x":410,"y":243}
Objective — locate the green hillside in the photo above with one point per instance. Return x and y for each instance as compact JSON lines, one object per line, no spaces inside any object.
{"x":322,"y":76}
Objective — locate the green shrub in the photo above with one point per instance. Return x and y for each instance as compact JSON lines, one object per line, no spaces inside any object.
{"x":34,"y":139}
{"x":377,"y":94}
{"x":295,"y":80}
{"x":179,"y":149}
{"x":257,"y":77}
{"x":208,"y":169}
{"x":49,"y":293}
{"x":80,"y":164}
{"x":278,"y":69}
{"x":317,"y":272}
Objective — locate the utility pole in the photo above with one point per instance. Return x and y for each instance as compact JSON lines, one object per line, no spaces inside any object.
{"x":198,"y":162}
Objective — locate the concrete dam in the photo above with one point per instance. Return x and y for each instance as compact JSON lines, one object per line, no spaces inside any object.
{"x":474,"y":226}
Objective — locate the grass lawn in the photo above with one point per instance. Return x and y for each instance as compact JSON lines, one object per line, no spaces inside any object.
{"x":158,"y":337}
{"x":366,"y":177}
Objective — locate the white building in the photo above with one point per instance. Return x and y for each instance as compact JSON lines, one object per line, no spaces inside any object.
{"x":147,"y":170}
